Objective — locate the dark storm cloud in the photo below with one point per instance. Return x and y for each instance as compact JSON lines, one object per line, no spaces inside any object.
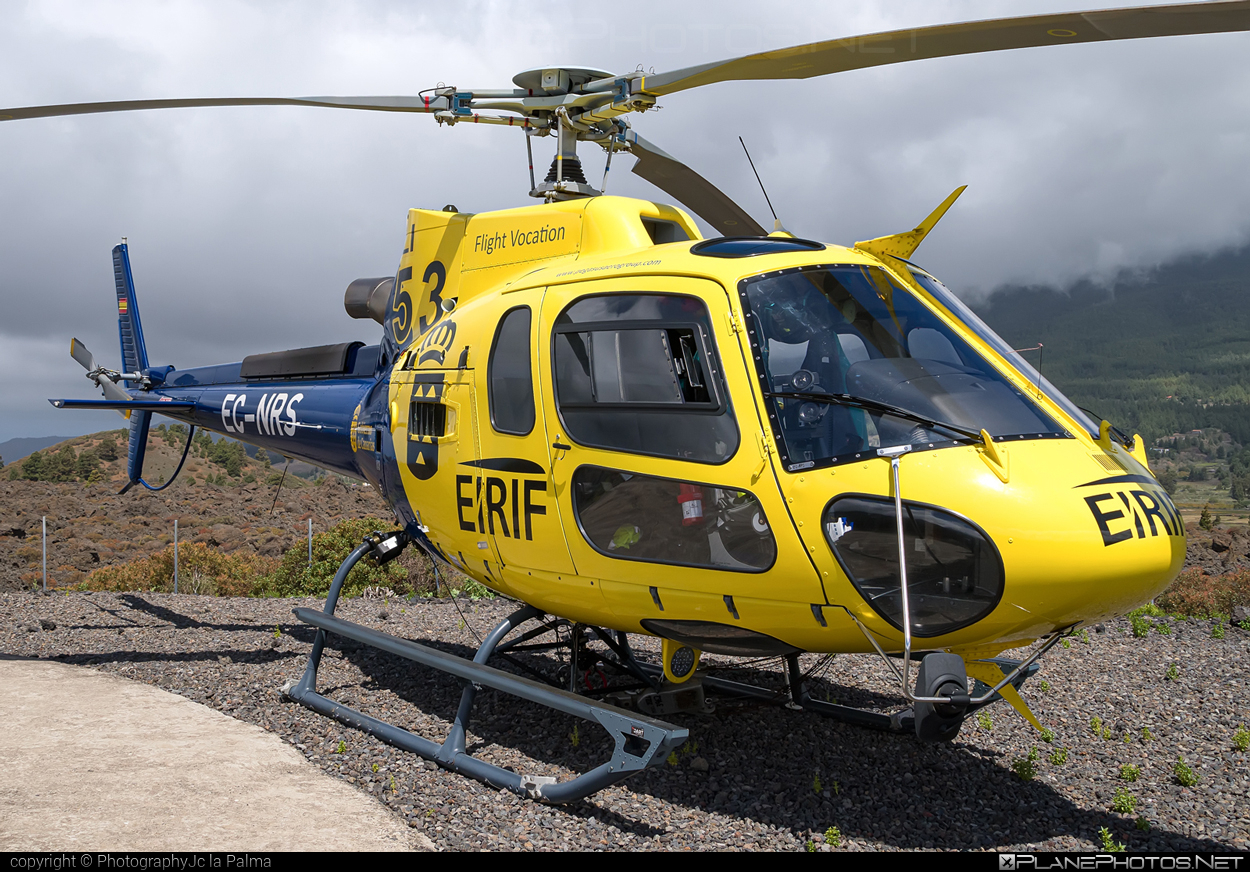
{"x":245,"y":225}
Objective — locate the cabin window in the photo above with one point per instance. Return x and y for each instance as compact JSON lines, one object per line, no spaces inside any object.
{"x":639,"y":373}
{"x":510,"y":375}
{"x":661,"y":520}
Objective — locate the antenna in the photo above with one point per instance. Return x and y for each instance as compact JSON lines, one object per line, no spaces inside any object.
{"x":776,"y":220}
{"x":1038,"y":348}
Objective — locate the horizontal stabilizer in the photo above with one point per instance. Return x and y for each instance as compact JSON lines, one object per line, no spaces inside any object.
{"x":126,"y":405}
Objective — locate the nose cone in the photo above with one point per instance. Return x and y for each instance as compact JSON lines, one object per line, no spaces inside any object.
{"x":1083,"y":533}
{"x":1073,"y":535}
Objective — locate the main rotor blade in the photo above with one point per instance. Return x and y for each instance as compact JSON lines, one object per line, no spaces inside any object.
{"x":944,"y":40}
{"x":690,"y":189}
{"x":377,"y":104}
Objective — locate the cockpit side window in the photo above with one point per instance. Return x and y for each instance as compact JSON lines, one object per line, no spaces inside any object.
{"x":511,"y":393}
{"x":639,"y":373}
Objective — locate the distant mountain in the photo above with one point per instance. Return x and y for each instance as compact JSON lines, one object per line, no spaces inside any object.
{"x":1155,"y":354}
{"x":17,"y":449}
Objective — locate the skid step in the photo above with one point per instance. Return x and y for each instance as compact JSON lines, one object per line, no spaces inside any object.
{"x":640,"y":741}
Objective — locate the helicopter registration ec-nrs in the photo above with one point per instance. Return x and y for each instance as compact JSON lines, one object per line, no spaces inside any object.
{"x":751,"y":445}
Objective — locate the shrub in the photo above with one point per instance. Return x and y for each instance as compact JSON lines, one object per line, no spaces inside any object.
{"x":295,"y":576}
{"x":1197,"y":594}
{"x":1124,"y":802}
{"x":1110,"y":845}
{"x":1185,"y":775}
{"x":201,"y":569}
{"x":1026,"y":767}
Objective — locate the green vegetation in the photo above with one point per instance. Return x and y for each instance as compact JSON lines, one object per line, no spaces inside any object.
{"x":1026,"y":767}
{"x":1059,"y":756}
{"x":201,"y":570}
{"x":1241,"y":739}
{"x":1129,"y":772}
{"x":205,"y":570}
{"x":1110,"y":845}
{"x":1185,"y":775}
{"x":295,"y":576}
{"x":833,"y":837}
{"x":83,"y":458}
{"x":1172,"y":674}
{"x":1101,"y":731}
{"x":984,"y":722}
{"x":1124,"y":802}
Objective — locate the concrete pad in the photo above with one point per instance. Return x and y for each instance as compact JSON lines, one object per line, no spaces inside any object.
{"x":91,"y":761}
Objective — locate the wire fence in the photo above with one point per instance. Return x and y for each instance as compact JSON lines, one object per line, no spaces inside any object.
{"x":43,"y":522}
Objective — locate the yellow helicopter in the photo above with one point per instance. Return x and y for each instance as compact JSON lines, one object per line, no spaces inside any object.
{"x":751,"y":445}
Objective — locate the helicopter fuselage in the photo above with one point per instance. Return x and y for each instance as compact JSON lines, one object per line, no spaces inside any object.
{"x":584,"y":406}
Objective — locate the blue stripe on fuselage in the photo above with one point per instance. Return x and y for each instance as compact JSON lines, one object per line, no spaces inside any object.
{"x":308,"y":419}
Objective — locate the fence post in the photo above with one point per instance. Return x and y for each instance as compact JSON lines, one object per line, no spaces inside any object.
{"x":45,"y":553}
{"x":175,"y":555}
{"x":310,"y":541}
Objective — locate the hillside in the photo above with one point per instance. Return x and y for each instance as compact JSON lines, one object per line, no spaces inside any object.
{"x":1161,"y":354}
{"x":12,"y":450}
{"x":223,"y":498}
{"x":101,"y":458}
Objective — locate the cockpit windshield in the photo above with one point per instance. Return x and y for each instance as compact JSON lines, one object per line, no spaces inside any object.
{"x":961,"y":311}
{"x":852,"y":361}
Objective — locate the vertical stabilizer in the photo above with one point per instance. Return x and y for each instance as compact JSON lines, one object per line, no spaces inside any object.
{"x":134,"y":359}
{"x":134,"y":352}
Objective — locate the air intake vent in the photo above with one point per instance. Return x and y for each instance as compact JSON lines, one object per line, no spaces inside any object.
{"x":1109,"y":463}
{"x":428,"y":419}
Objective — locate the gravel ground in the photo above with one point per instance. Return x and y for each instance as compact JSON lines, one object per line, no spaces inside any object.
{"x":760,"y":778}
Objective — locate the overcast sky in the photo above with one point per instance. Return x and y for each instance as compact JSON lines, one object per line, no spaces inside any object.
{"x":245,"y":225}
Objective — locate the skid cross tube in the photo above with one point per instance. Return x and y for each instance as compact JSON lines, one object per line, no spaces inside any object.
{"x":640,"y":741}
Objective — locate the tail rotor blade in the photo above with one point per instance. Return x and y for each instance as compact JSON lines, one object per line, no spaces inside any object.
{"x":82,"y":354}
{"x":111,"y":390}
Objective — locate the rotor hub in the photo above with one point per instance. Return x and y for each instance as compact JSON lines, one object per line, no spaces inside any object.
{"x":550,"y":81}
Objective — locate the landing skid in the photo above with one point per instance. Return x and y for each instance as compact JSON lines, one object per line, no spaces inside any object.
{"x":640,"y":741}
{"x":581,"y":689}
